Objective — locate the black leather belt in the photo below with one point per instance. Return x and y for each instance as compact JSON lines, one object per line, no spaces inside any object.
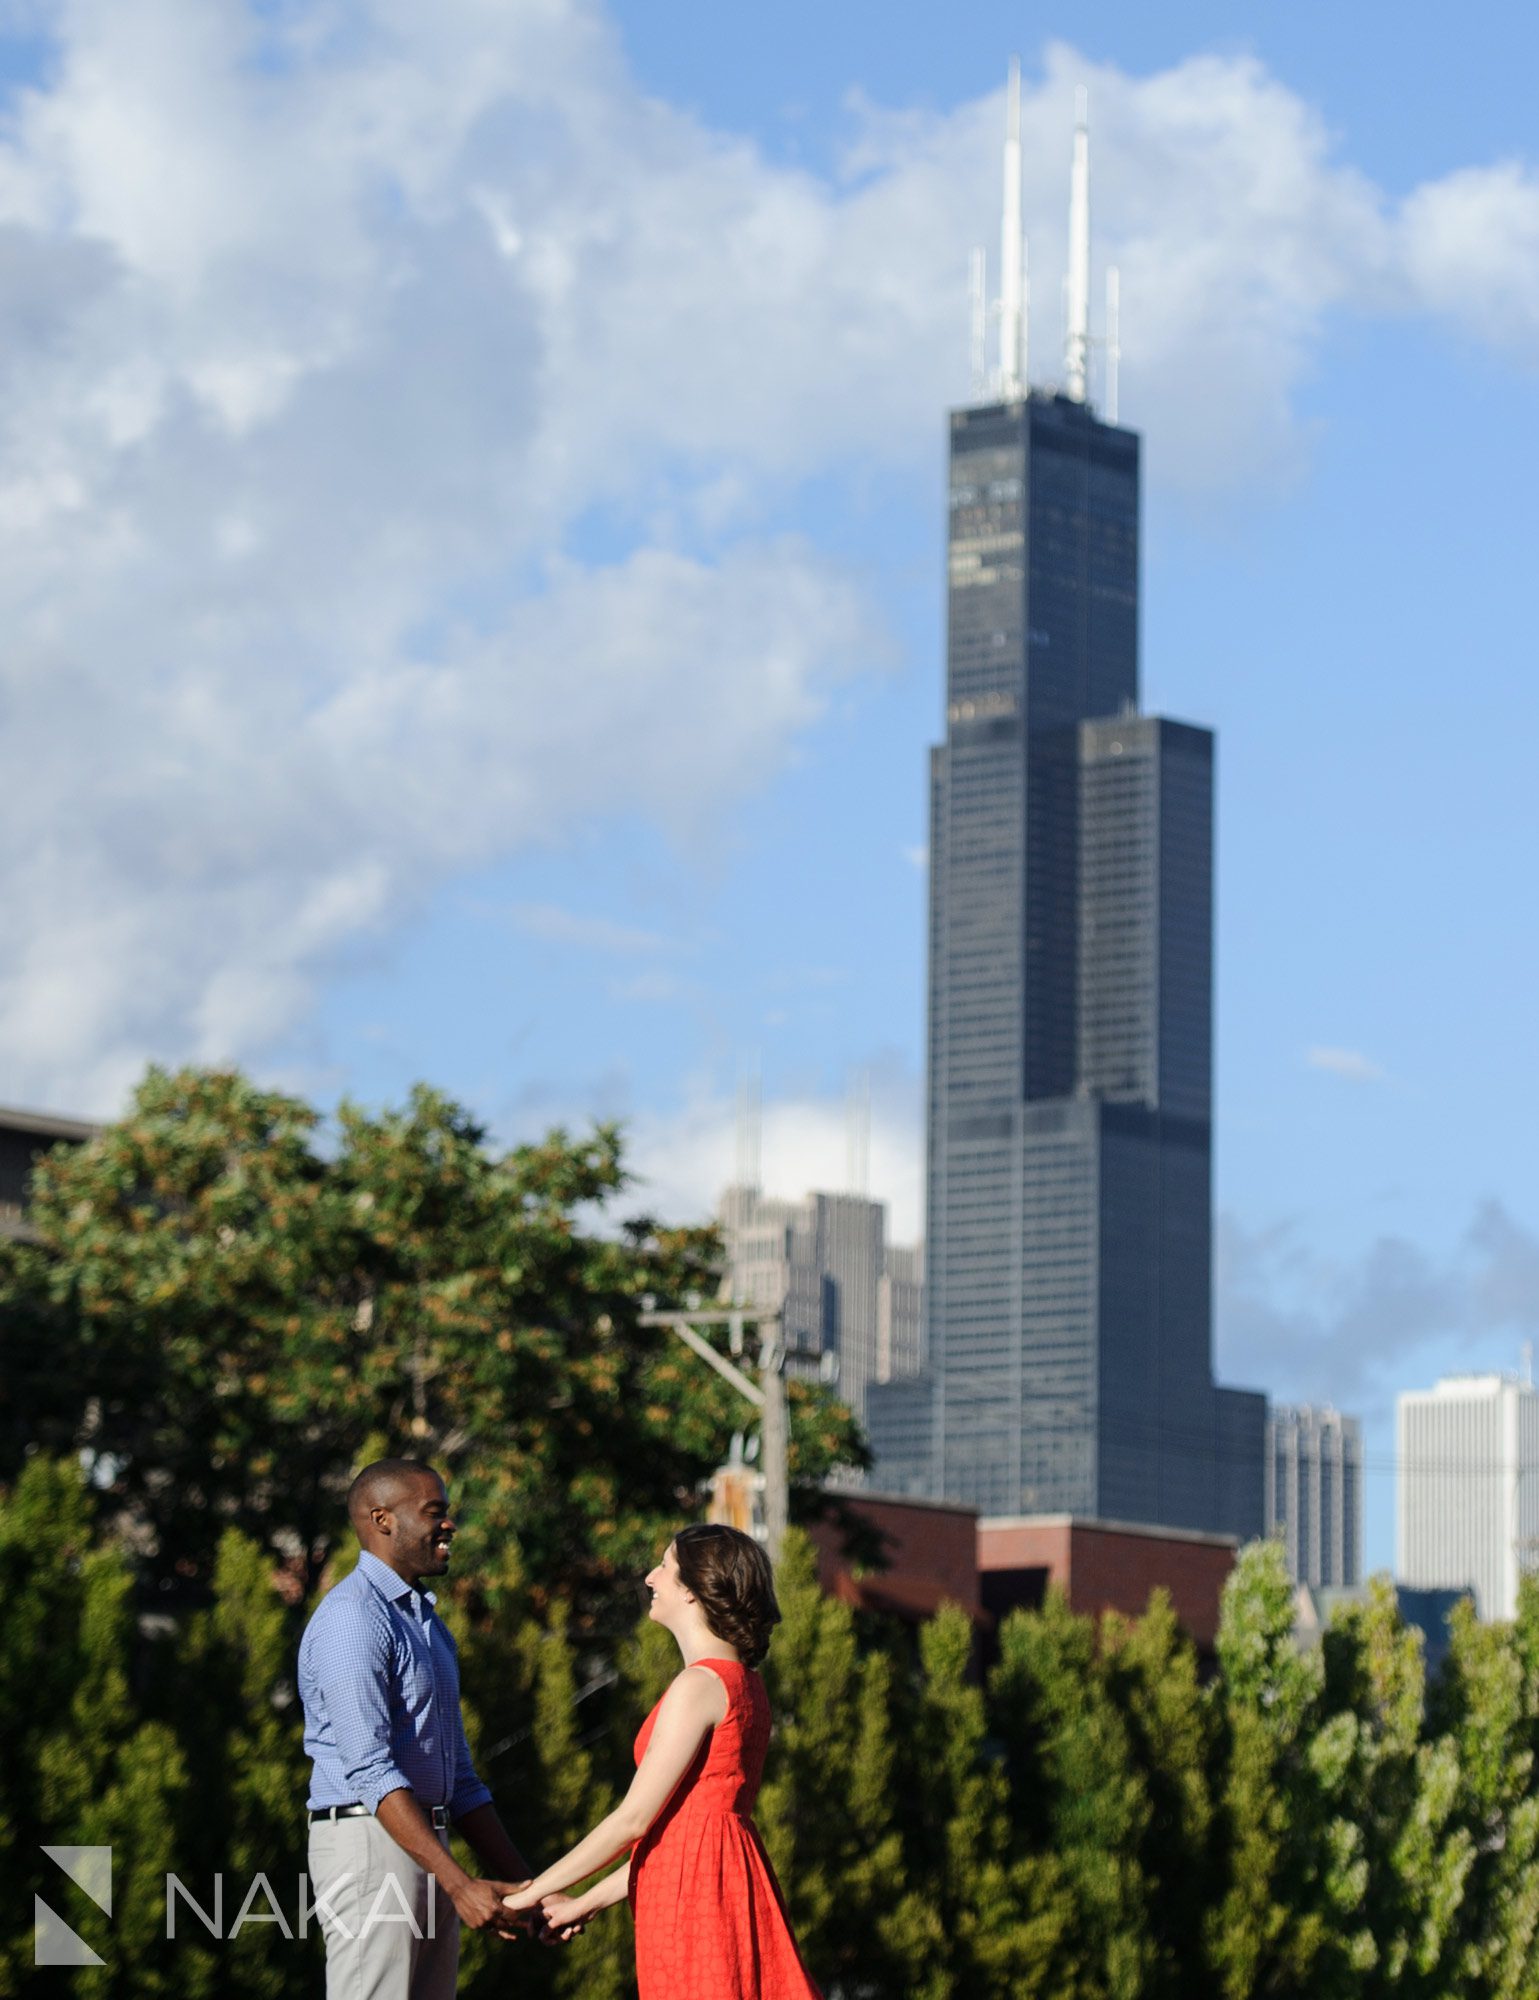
{"x":439,"y":1815}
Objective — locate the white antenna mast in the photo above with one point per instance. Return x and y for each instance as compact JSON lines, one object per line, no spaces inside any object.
{"x":748,"y":1126}
{"x":977,"y":285}
{"x":1076,"y":354}
{"x":858,"y":1134}
{"x":1010,"y":262}
{"x":1113,"y":339}
{"x":1025,"y":318}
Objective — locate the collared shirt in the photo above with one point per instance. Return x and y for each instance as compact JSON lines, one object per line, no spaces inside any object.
{"x":380,"y":1680}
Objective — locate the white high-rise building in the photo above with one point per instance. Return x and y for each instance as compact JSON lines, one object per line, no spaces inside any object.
{"x":1468,"y":1510}
{"x":1314,"y":1493}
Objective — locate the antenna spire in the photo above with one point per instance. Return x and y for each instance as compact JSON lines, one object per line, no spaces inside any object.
{"x":1010,"y":258}
{"x":858,"y":1135}
{"x":748,"y":1129}
{"x":1076,"y":356}
{"x":1113,"y":339}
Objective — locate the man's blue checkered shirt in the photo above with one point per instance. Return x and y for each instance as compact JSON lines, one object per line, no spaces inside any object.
{"x":380,"y":1680}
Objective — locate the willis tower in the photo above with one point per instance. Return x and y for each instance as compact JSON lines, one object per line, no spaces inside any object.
{"x":1069,"y":1112}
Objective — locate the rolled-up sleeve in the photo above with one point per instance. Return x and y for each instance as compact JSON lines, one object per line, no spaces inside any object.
{"x":350,"y":1662}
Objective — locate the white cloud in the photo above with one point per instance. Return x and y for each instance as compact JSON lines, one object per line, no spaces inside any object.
{"x":1349,"y":1063}
{"x":558,"y":926}
{"x":684,"y":1157}
{"x":1354,"y":1329}
{"x":1470,"y":249}
{"x":325,"y":330}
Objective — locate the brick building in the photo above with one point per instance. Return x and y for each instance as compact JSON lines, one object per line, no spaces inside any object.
{"x":940,"y":1552}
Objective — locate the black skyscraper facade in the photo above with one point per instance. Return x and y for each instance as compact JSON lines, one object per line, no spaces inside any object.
{"x":1070,"y":1021}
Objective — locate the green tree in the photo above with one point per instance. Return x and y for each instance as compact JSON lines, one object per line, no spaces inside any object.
{"x":1267,"y":1931}
{"x":81,"y":1768}
{"x":1005,"y":1914}
{"x":245,"y":1308}
{"x":1486,"y":1702}
{"x":1152,"y":1675}
{"x":858,"y":1921}
{"x":1402,"y":1868}
{"x":1077,"y":1789}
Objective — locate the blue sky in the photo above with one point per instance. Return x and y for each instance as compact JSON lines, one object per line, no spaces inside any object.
{"x":472,"y":495}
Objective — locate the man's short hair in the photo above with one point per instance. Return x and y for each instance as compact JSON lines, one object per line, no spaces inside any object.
{"x":379,"y":1485}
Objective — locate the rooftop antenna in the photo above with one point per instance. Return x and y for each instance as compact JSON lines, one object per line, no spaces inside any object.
{"x":1076,"y":351}
{"x":1025,"y":318}
{"x":1010,"y":248}
{"x":977,"y":286}
{"x":858,"y":1134}
{"x":1113,"y":339}
{"x":748,"y":1129}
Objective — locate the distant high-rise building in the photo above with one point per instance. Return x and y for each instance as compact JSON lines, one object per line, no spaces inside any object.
{"x":25,"y":1138}
{"x":1314,"y":1494}
{"x":1468,"y":1488}
{"x":824,"y":1262}
{"x":1069,"y":1113}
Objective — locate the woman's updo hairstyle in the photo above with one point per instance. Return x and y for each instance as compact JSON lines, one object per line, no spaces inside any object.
{"x":730,"y":1577}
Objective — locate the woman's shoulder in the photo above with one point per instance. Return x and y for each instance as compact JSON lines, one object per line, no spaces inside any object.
{"x":702,"y":1684}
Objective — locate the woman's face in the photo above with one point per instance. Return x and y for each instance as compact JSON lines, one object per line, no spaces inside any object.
{"x":669,"y":1596}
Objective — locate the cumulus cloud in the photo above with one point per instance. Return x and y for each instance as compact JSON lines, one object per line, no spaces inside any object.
{"x":685,"y":1156}
{"x":1355,"y":1329}
{"x":400,"y":421}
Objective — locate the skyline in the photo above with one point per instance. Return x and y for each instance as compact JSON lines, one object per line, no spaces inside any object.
{"x":330,"y":464}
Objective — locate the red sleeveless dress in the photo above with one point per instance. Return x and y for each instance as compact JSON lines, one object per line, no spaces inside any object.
{"x":710,"y":1920}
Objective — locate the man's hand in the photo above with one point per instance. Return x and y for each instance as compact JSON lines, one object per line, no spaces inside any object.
{"x":482,"y":1908}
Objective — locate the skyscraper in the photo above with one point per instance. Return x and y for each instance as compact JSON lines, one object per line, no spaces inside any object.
{"x":1468,"y":1488}
{"x":1069,"y":1110}
{"x":824,"y":1262}
{"x":1314,"y":1494}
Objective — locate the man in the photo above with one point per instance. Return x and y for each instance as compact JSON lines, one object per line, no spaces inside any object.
{"x":379,"y":1677}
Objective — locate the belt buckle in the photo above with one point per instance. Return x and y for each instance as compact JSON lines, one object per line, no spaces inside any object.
{"x":440,"y":1818}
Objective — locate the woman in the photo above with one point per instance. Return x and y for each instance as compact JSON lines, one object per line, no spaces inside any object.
{"x":710,"y":1920}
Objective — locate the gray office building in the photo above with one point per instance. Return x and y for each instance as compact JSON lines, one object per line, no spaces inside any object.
{"x":825,"y":1263}
{"x":1314,"y":1494}
{"x":1069,"y":1114}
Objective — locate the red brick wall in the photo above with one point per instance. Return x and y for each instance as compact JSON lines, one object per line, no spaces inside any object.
{"x":1111,"y":1569}
{"x":932,"y":1556}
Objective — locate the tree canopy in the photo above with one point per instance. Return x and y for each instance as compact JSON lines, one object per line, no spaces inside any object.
{"x":229,"y":1304}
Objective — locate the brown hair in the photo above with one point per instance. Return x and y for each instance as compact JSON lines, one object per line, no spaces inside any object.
{"x":731,"y":1578}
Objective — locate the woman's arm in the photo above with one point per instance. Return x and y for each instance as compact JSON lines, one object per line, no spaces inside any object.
{"x":562,"y":1911}
{"x":694,"y":1704}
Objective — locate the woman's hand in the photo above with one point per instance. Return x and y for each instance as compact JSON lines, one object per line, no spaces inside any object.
{"x":565,"y":1915}
{"x":523,"y":1899}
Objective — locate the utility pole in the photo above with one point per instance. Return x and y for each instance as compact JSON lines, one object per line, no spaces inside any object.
{"x":768,"y":1394}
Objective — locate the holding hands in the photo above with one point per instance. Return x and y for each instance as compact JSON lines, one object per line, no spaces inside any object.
{"x":555,"y":1915}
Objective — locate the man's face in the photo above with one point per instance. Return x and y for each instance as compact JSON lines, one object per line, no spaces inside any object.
{"x":420,"y":1527}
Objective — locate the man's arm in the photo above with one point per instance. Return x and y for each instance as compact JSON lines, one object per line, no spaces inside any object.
{"x":350,"y":1660}
{"x":479,"y":1903}
{"x":493,"y":1844}
{"x":474,"y":1815}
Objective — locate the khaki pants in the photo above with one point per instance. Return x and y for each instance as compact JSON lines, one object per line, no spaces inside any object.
{"x":391,"y":1933}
